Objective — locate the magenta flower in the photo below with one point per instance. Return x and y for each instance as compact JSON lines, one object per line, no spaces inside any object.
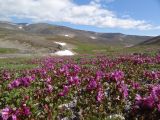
{"x":158,"y":106}
{"x":138,"y":97}
{"x":6,"y":113}
{"x":99,"y":75}
{"x":24,"y":81}
{"x":135,"y":85}
{"x":148,"y":102}
{"x":14,"y":117}
{"x":74,"y":80}
{"x":65,"y":91}
{"x":49,"y":88}
{"x":145,"y":102}
{"x":25,"y":110}
{"x":117,"y":75}
{"x":100,"y":95}
{"x":123,"y":89}
{"x":48,"y":79}
{"x":92,"y":85}
{"x":6,"y":75}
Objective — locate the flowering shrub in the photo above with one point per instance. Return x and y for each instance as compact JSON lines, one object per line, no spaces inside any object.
{"x":83,"y":88}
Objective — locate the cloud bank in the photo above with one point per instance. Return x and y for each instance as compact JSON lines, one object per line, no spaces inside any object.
{"x":68,"y":11}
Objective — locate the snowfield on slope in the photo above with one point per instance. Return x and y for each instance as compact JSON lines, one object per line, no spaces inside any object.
{"x":65,"y":52}
{"x":60,"y":43}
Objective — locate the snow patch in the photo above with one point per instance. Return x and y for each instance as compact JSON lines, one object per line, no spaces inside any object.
{"x":92,"y":37}
{"x":66,"y":35}
{"x":129,"y":45}
{"x":20,"y":27}
{"x":60,"y":43}
{"x":64,"y":53}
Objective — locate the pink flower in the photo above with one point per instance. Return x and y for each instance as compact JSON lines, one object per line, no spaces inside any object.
{"x":8,"y":113}
{"x":117,"y":75}
{"x":158,"y":106}
{"x":49,"y":88}
{"x":24,"y":81}
{"x":65,"y":91}
{"x":123,"y":89}
{"x":25,"y":110}
{"x":74,"y":80}
{"x":138,"y":97}
{"x":135,"y":85}
{"x":92,"y":85}
{"x":6,"y":75}
{"x":48,"y":79}
{"x":100,"y":95}
{"x":14,"y":117}
{"x":5,"y":113}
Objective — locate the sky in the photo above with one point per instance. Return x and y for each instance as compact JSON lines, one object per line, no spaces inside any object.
{"x":136,"y":17}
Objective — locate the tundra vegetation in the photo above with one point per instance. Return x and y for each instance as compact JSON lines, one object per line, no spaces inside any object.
{"x":81,"y":87}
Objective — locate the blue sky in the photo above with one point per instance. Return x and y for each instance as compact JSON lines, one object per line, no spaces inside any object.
{"x":148,"y":10}
{"x":139,"y":17}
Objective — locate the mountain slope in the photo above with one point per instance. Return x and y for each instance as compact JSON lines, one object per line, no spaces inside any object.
{"x":86,"y":36}
{"x":153,"y":41}
{"x":41,"y":38}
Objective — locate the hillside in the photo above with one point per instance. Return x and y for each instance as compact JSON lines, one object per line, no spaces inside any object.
{"x":152,"y":41}
{"x":24,"y":38}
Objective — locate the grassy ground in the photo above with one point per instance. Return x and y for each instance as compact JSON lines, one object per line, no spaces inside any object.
{"x":16,"y":63}
{"x":23,"y":63}
{"x":7,"y":50}
{"x":85,"y":47}
{"x":113,"y":50}
{"x":80,"y":48}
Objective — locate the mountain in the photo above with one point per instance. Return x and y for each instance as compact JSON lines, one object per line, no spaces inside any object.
{"x":152,"y":41}
{"x":8,"y":25}
{"x":42,"y":37}
{"x":48,"y":29}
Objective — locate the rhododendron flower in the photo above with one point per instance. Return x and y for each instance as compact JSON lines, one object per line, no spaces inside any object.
{"x":74,"y":80}
{"x":65,"y":91}
{"x":24,"y":81}
{"x":123,"y":89}
{"x":25,"y":110}
{"x":151,"y":75}
{"x":14,"y":84}
{"x":76,"y":68}
{"x":92,"y":85}
{"x":48,"y":79}
{"x":146,"y":102}
{"x":117,"y":75}
{"x":138,"y":97}
{"x":99,"y":75}
{"x":6,"y":75}
{"x":14,"y":117}
{"x":5,"y":113}
{"x":100,"y":95}
{"x":49,"y":88}
{"x":135,"y":85}
{"x":155,"y":93}
{"x":158,"y":106}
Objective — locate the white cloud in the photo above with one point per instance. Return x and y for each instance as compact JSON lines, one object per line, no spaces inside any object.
{"x":107,"y":1}
{"x":67,"y":11}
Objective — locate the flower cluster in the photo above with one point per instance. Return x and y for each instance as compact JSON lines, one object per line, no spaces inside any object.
{"x":13,"y":114}
{"x":83,"y":88}
{"x":23,"y":81}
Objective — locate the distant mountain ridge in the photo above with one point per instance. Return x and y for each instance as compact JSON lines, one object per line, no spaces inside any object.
{"x":152,"y":41}
{"x":45,"y":29}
